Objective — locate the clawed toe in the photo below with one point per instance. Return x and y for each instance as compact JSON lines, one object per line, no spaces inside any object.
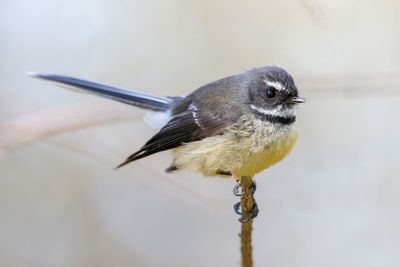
{"x":246,"y":217}
{"x":236,"y":208}
{"x":254,"y":188}
{"x":251,"y":215}
{"x":237,"y":190}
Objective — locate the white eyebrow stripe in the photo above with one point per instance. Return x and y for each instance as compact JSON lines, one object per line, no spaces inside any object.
{"x":279,"y":112}
{"x":276,"y":85}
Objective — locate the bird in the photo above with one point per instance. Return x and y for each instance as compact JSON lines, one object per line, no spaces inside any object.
{"x":236,"y":126}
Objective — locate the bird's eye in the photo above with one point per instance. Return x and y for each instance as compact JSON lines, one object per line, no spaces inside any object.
{"x":271,"y":92}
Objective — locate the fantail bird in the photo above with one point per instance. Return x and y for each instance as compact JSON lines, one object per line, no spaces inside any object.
{"x":236,"y":126}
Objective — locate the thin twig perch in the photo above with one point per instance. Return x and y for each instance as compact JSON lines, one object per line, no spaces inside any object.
{"x":247,"y":204}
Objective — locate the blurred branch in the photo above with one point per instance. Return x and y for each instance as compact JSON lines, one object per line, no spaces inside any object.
{"x":46,"y":123}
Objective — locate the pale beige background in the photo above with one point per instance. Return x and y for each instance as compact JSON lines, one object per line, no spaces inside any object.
{"x":333,"y":202}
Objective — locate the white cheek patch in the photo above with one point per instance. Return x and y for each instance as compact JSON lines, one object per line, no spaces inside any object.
{"x":277,"y":85}
{"x":279,"y":111}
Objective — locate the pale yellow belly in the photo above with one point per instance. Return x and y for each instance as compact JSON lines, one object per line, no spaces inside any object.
{"x":274,"y":153}
{"x":246,"y":155}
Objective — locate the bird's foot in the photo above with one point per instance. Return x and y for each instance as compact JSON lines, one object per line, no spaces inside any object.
{"x":246,"y":216}
{"x":238,"y":191}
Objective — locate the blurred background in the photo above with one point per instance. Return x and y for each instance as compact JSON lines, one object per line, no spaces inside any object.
{"x":332,"y":202}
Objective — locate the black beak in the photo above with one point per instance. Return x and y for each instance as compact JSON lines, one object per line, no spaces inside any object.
{"x":296,"y":100}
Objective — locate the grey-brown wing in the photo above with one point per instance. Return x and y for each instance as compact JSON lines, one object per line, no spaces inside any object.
{"x":191,"y":125}
{"x":206,"y":112}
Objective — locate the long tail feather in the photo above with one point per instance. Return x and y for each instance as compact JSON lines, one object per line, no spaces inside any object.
{"x":117,"y":94}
